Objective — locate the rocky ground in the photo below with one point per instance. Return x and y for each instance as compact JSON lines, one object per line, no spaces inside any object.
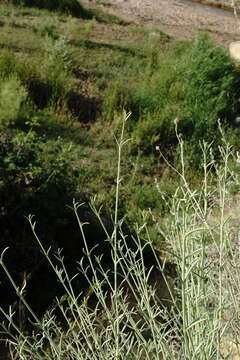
{"x":180,"y":18}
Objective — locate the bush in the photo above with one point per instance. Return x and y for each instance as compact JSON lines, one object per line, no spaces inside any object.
{"x":196,"y":82}
{"x":12,"y":98}
{"x":56,"y":70}
{"x":211,"y":89}
{"x":35,"y":173}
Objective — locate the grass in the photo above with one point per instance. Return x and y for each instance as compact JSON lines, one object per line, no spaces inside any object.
{"x":70,"y":7}
{"x":125,"y":314}
{"x":89,"y":84}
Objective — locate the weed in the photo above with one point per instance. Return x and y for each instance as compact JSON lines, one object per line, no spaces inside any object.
{"x":12,"y":98}
{"x":138,"y":313}
{"x":46,"y":28}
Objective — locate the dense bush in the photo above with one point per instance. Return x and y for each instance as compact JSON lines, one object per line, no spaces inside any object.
{"x":196,"y":82}
{"x":36,"y":176}
{"x":211,"y":93}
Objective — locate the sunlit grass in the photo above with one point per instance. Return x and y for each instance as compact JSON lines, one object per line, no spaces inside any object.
{"x":135,"y":312}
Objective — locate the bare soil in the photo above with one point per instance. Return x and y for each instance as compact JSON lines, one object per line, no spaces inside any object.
{"x":181,"y":19}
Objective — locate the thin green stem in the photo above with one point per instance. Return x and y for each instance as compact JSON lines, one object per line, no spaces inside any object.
{"x":120,"y":144}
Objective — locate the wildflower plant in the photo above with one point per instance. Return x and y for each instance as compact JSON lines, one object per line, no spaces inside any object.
{"x":135,"y":312}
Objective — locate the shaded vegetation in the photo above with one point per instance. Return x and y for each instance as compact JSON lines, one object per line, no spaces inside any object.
{"x":72,"y":7}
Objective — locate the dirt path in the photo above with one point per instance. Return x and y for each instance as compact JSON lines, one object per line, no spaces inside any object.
{"x":179,"y":18}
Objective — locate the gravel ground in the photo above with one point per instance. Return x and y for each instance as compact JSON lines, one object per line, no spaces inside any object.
{"x":179,"y":18}
{"x":221,"y":3}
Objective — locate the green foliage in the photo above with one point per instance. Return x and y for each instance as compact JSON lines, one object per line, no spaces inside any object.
{"x":105,"y":17}
{"x":56,"y":70}
{"x":196,"y":82}
{"x":12,"y":98}
{"x":149,"y":302}
{"x":46,"y":29}
{"x":35,"y":174}
{"x":152,"y":32}
{"x":148,"y":197}
{"x":212,"y":89}
{"x":72,"y":7}
{"x":156,"y":129}
{"x":48,"y":82}
{"x":47,"y":157}
{"x":10,"y":65}
{"x":29,"y":161}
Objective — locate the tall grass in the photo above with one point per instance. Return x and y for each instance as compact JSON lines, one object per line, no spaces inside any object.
{"x":136,"y":312}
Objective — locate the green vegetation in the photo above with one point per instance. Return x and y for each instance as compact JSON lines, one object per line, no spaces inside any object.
{"x":72,"y":7}
{"x":195,"y":82}
{"x":12,"y":97}
{"x":62,"y":99}
{"x":132,"y":312}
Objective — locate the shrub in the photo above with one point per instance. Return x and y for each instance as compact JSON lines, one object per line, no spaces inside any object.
{"x":212,"y":89}
{"x":56,"y":70}
{"x":156,"y":129}
{"x":12,"y":97}
{"x":35,"y":173}
{"x":196,"y":82}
